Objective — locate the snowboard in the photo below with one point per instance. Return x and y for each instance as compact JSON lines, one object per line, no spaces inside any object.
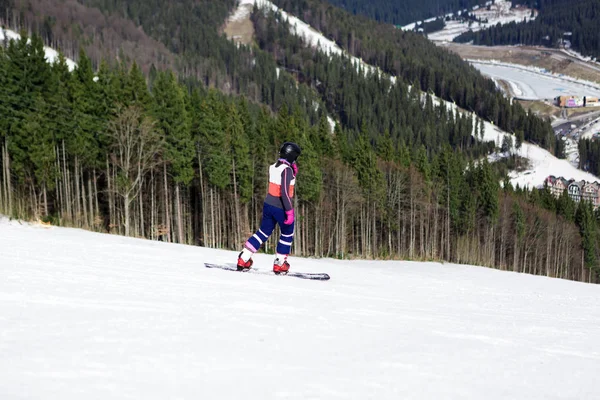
{"x":294,"y":274}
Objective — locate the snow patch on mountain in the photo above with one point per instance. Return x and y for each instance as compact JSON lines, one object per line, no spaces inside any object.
{"x":51,"y":54}
{"x":542,"y":163}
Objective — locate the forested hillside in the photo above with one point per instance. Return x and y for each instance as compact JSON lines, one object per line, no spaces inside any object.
{"x":69,"y":25}
{"x":575,"y":21}
{"x":182,"y":35}
{"x":190,"y":31}
{"x":403,"y":12}
{"x":417,"y":61}
{"x":366,"y":102}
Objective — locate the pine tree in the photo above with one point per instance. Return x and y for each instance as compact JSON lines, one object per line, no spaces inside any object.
{"x":213,"y":142}
{"x":584,"y":218}
{"x":136,"y":88}
{"x":83,"y":143}
{"x":310,"y":177}
{"x":169,"y":110}
{"x":240,"y":150}
{"x":488,"y":191}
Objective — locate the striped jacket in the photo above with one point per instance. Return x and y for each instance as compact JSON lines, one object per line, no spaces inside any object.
{"x":281,"y":185}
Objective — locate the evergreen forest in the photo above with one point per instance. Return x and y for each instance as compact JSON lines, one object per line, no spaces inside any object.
{"x":171,"y":162}
{"x":589,"y":155}
{"x":403,"y":12}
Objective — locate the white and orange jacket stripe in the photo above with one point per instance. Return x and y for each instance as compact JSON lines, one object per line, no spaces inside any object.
{"x":281,"y":185}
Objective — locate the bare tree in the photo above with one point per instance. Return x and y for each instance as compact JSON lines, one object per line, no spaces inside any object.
{"x":136,"y":146}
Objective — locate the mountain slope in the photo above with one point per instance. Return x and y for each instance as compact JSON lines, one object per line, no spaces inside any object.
{"x":416,"y":60}
{"x":113,"y":317}
{"x":70,"y":26}
{"x":541,"y":161}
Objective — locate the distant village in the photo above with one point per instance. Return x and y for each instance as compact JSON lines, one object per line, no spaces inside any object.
{"x":577,"y":190}
{"x":576,"y":101}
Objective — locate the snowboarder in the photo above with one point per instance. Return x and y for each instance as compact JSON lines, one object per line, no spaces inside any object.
{"x":277,"y":209}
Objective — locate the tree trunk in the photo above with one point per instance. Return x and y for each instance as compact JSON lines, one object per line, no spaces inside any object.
{"x":166,"y":210}
{"x":179,"y":219}
{"x":126,"y":204}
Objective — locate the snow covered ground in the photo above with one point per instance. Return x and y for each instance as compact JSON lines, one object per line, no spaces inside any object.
{"x":499,"y":12}
{"x":587,"y":131}
{"x":580,"y":56}
{"x":542,"y":162}
{"x":536,"y":83}
{"x":86,"y":315}
{"x":51,"y":54}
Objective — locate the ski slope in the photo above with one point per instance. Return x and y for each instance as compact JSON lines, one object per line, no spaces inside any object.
{"x":92,"y":316}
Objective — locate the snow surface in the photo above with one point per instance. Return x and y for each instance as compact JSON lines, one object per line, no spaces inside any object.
{"x":51,"y":54}
{"x":243,"y":11}
{"x":542,"y":162}
{"x":331,"y":123}
{"x":590,"y":129}
{"x":87,"y":315}
{"x":500,"y":12}
{"x":580,"y":56}
{"x":536,"y":83}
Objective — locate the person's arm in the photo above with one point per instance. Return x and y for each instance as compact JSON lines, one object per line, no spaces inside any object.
{"x":286,"y":179}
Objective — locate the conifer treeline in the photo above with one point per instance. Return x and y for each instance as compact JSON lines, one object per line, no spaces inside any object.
{"x":187,"y":165}
{"x":578,"y":19}
{"x":589,"y":155}
{"x":190,"y":29}
{"x":402,"y":12}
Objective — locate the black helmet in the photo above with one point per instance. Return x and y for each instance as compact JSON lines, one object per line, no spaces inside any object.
{"x":289,"y":151}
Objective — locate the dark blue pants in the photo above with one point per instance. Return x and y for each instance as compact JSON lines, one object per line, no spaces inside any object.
{"x":272,"y":216}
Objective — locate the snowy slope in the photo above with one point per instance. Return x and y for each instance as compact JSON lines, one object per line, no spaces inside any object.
{"x":542,"y":162}
{"x":85,"y":315}
{"x":590,"y":129}
{"x":51,"y":54}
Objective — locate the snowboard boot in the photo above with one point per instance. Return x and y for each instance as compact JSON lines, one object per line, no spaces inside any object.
{"x":281,"y":266}
{"x":243,"y":265}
